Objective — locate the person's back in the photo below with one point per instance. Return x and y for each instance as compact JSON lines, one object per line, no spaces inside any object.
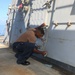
{"x":28,"y":36}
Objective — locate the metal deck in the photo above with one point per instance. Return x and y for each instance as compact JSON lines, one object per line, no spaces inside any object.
{"x":8,"y":65}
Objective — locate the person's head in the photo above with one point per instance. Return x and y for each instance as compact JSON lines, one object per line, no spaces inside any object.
{"x":39,"y":32}
{"x":43,"y":24}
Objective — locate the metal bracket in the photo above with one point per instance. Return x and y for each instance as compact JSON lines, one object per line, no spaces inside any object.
{"x":56,"y":24}
{"x":48,"y":4}
{"x":25,"y":1}
{"x":68,"y":24}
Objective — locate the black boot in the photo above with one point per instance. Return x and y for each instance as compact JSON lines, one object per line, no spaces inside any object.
{"x":23,"y":63}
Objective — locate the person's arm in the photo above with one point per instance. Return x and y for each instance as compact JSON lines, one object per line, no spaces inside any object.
{"x":43,"y":40}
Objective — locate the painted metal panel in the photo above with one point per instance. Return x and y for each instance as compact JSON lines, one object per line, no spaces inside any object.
{"x":39,"y":14}
{"x":61,"y":40}
{"x":18,"y":26}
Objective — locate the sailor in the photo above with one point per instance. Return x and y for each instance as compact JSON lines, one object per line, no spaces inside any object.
{"x":25,"y":44}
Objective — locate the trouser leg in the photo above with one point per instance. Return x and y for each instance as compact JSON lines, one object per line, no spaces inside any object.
{"x":17,"y":49}
{"x":27,"y":49}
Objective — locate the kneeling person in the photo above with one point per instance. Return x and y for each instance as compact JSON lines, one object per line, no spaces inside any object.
{"x":25,"y":45}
